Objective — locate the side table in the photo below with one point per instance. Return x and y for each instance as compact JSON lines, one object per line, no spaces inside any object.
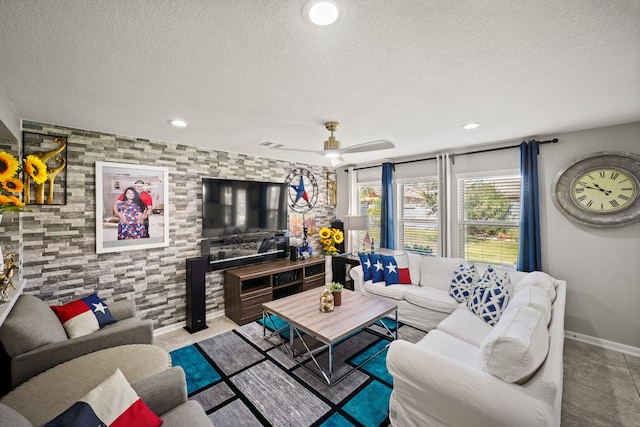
{"x":339,"y":265}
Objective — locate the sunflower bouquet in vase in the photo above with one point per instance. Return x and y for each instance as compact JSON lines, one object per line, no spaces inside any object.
{"x":12,"y":186}
{"x":329,"y":238}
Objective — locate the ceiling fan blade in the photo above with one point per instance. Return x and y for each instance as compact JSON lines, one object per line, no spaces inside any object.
{"x":337,"y":161}
{"x":380,"y":144}
{"x":285,"y":148}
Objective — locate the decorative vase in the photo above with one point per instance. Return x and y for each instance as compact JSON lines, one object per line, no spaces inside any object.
{"x":326,"y":301}
{"x":337,"y":298}
{"x":328,"y":269}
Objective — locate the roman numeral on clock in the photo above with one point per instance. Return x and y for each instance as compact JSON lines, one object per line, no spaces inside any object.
{"x":614,"y":203}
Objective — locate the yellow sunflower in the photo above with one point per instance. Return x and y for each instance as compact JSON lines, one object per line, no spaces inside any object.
{"x":338,"y":236}
{"x":35,"y":168}
{"x":8,"y":166}
{"x":325,"y":233}
{"x":12,"y":185}
{"x":15,"y":201}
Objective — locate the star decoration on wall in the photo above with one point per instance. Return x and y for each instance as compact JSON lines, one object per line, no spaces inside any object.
{"x":303,"y":190}
{"x":300,"y":191}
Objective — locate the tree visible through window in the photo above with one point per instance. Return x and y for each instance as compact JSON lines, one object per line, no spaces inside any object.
{"x":489,"y":219}
{"x":418,"y":217}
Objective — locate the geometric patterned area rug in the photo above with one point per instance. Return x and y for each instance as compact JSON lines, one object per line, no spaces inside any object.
{"x":241,"y":379}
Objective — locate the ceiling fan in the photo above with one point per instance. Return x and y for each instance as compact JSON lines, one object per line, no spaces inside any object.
{"x":332,"y":149}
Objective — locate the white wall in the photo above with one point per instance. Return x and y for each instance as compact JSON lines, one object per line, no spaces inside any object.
{"x":9,"y":120}
{"x":601,"y":266}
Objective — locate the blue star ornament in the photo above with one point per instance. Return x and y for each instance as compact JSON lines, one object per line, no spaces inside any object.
{"x":301,"y":193}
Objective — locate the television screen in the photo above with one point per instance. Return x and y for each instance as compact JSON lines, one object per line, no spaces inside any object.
{"x":231,"y":207}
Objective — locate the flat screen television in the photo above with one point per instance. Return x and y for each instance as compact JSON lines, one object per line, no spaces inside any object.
{"x":237,"y":207}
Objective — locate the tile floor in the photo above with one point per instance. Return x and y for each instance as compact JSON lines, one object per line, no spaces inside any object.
{"x":601,"y":387}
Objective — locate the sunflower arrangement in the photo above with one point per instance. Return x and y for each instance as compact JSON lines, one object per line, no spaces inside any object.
{"x":329,"y":238}
{"x":11,"y":185}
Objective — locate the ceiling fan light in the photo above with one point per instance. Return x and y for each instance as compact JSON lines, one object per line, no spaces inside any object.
{"x":179,"y":123}
{"x":332,"y":154}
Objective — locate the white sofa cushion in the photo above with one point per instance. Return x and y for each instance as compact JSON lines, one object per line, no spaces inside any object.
{"x":538,"y":279}
{"x":431,"y":298}
{"x":452,"y":348}
{"x":533,"y":297}
{"x":392,"y":291}
{"x":517,"y":345}
{"x":436,"y":272}
{"x":465,"y":325}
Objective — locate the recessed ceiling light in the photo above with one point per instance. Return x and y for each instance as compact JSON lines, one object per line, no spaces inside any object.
{"x":321,"y":12}
{"x":470,"y":126}
{"x":179,"y":123}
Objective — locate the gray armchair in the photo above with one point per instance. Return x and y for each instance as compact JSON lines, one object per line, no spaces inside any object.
{"x":34,"y":339}
{"x":164,"y":393}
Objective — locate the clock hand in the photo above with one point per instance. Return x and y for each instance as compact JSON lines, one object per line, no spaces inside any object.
{"x":607,"y":192}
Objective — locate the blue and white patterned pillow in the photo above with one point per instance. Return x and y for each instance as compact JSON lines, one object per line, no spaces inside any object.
{"x":464,"y":277}
{"x":489,"y":277}
{"x":488,"y":302}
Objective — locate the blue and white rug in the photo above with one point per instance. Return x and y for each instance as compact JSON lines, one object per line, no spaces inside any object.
{"x":242,"y":380}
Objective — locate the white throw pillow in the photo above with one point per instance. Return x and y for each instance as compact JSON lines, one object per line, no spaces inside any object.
{"x":539,"y":280}
{"x":533,"y":297}
{"x":436,"y":272}
{"x":414,"y":267}
{"x":517,"y":346}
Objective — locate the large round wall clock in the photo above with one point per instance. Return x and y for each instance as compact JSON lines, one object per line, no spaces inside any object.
{"x":600,"y":189}
{"x":303,"y":190}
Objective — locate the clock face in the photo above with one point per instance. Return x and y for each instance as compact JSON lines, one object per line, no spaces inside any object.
{"x":600,"y":189}
{"x":604,"y":190}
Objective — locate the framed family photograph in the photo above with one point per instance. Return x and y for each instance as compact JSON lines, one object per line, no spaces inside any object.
{"x":132,"y":207}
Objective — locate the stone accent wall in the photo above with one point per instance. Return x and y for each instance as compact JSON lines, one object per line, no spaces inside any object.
{"x":59,"y":259}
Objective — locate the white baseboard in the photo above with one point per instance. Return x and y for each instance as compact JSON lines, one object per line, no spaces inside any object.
{"x":598,"y":342}
{"x":210,"y":317}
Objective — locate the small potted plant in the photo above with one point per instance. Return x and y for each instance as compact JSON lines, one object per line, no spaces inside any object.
{"x":336,"y":290}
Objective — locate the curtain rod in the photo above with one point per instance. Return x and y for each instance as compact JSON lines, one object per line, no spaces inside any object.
{"x":550,"y":141}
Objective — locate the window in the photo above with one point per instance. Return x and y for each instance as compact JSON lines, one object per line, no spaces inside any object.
{"x":489,"y":211}
{"x":369,"y":203}
{"x":418,"y":217}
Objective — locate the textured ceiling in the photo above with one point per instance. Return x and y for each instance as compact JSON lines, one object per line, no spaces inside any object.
{"x":244,"y":72}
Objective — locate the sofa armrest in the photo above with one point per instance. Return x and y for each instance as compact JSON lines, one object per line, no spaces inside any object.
{"x":128,"y":331}
{"x":164,"y":391}
{"x":122,"y":309}
{"x":430,"y":389}
{"x":357,"y":275}
{"x":12,"y":418}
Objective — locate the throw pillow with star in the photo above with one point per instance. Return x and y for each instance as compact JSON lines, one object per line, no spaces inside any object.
{"x":377,"y":270}
{"x":366,"y":266}
{"x":396,"y":270}
{"x":84,"y":316}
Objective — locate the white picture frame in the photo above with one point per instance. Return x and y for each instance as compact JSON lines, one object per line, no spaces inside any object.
{"x":112,"y":180}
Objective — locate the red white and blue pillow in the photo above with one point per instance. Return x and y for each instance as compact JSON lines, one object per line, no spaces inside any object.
{"x":396,"y":269}
{"x":377,"y":268}
{"x":113,"y":403}
{"x":463,"y":281}
{"x":365,"y":262}
{"x":83,"y":317}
